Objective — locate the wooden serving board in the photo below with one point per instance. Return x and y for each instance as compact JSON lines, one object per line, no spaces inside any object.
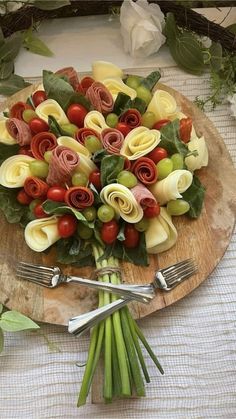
{"x":204,"y":239}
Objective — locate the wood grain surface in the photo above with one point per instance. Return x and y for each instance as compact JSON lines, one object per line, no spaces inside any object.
{"x":204,"y":239}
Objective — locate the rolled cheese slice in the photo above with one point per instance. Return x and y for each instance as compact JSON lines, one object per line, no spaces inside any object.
{"x":104,"y":69}
{"x":15,"y":170}
{"x":172,"y":186}
{"x":116,"y":85}
{"x":196,"y":162}
{"x":73,"y":145}
{"x":122,"y":201}
{"x":5,"y":137}
{"x":51,"y":107}
{"x":96,"y":121}
{"x":42,"y":233}
{"x":161,"y":234}
{"x":163,"y":105}
{"x":139,"y":142}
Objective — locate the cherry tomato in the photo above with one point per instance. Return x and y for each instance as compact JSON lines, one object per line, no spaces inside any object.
{"x":161,"y":123}
{"x":56,"y":193}
{"x":95,"y":179}
{"x":185,"y":128}
{"x":123,"y":128}
{"x":76,"y":114}
{"x":109,"y":231}
{"x":131,"y":236}
{"x":67,"y":225}
{"x":38,"y":97}
{"x":39,"y":211}
{"x":23,"y":198}
{"x":157,"y":154}
{"x":151,"y":212}
{"x":38,"y":125}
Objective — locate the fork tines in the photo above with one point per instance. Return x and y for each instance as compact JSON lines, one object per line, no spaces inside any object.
{"x":178,"y":272}
{"x":41,"y":275}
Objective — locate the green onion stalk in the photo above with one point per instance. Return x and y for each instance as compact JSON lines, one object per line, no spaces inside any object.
{"x":118,"y":338}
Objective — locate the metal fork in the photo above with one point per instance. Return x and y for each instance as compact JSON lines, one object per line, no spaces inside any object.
{"x":165,"y":279}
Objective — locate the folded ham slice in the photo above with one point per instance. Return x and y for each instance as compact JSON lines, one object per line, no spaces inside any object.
{"x":42,"y":142}
{"x":131,"y":117}
{"x":112,"y":140}
{"x":71,"y":74}
{"x":143,"y":196}
{"x":19,"y":130}
{"x":100,"y":97}
{"x":145,"y":170}
{"x":79,"y":197}
{"x":61,"y":166}
{"x":35,"y":187}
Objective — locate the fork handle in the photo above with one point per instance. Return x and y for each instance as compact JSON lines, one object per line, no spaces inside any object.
{"x":141,"y":293}
{"x":80,"y":324}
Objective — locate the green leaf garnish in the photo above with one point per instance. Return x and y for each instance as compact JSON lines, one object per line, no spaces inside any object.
{"x":111,"y":166}
{"x":11,"y":47}
{"x":12,"y":209}
{"x":195,"y":197}
{"x":58,"y":208}
{"x":13,"y":321}
{"x":12,"y":84}
{"x":35,"y":45}
{"x":151,"y":80}
{"x":6,"y":69}
{"x":170,"y":139}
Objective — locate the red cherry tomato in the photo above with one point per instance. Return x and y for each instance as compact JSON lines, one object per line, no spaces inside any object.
{"x":56,"y":193}
{"x":157,"y":154}
{"x":38,"y":97}
{"x":38,"y":125}
{"x":23,"y":198}
{"x":131,"y":236}
{"x":185,"y":128}
{"x":151,"y":212}
{"x":67,"y":225}
{"x":76,"y":114}
{"x":123,"y":128}
{"x":161,"y":123}
{"x":39,"y":211}
{"x":95,"y":179}
{"x":109,"y":231}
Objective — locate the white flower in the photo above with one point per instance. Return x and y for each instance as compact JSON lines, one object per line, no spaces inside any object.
{"x":141,"y":27}
{"x":232,"y":101}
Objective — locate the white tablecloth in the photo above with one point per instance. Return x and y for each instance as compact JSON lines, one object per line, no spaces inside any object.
{"x":194,"y":340}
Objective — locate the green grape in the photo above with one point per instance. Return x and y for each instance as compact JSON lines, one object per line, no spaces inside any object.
{"x":105,"y":213}
{"x":112,"y":120}
{"x":144,"y":93}
{"x":127,"y":179}
{"x":39,"y":168}
{"x":177,"y":207}
{"x":47,"y":156}
{"x":164,"y":168}
{"x":142,"y":225}
{"x":29,"y":114}
{"x":84,"y":232}
{"x":133,"y":81}
{"x":148,"y":119}
{"x":79,"y":179}
{"x":92,"y":143}
{"x":178,"y":161}
{"x":90,"y":213}
{"x":70,"y":129}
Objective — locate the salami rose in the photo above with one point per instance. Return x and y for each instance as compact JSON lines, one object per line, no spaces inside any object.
{"x":100,"y":97}
{"x":79,"y":197}
{"x":17,"y":110}
{"x":86,"y":82}
{"x":35,"y":187}
{"x":131,"y":117}
{"x":112,"y":140}
{"x":71,"y":74}
{"x":42,"y":142}
{"x":62,"y":163}
{"x":83,"y":133}
{"x":19,"y":130}
{"x":145,"y":170}
{"x":143,"y":196}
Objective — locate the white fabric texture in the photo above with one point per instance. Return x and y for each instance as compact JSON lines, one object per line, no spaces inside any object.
{"x":195,"y":340}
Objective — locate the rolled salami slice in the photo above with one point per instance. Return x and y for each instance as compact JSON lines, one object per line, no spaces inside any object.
{"x":19,"y":130}
{"x":83,"y":133}
{"x":143,"y":196}
{"x":132,"y":117}
{"x":100,"y":97}
{"x":42,"y":142}
{"x":145,"y":170}
{"x":35,"y":187}
{"x":62,"y":163}
{"x":17,"y":110}
{"x":71,"y":74}
{"x":112,"y":140}
{"x":79,"y":197}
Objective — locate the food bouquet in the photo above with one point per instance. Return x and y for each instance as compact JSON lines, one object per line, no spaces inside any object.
{"x":96,"y":167}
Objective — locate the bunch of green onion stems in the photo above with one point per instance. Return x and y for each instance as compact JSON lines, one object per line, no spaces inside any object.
{"x":118,"y":339}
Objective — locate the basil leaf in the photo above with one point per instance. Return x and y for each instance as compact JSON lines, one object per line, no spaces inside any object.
{"x":96,"y":194}
{"x":74,"y":251}
{"x":151,"y":80}
{"x":124,"y":102}
{"x":53,"y":207}
{"x":12,"y":85}
{"x":170,"y":30}
{"x":136,"y":103}
{"x":6,"y":69}
{"x":7,"y":151}
{"x":55,"y":127}
{"x":61,"y":91}
{"x":111,"y":166}
{"x":11,"y":208}
{"x":215,"y":51}
{"x":170,"y":139}
{"x":51,"y":5}
{"x":11,"y":47}
{"x":13,"y":321}
{"x":195,"y":197}
{"x":35,"y":45}
{"x":1,"y":340}
{"x":98,"y":155}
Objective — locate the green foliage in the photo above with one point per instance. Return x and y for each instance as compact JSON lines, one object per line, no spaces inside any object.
{"x":170,"y":139}
{"x":195,"y":197}
{"x":12,"y":209}
{"x":58,"y":208}
{"x":111,"y":166}
{"x":35,"y":45}
{"x":12,"y":85}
